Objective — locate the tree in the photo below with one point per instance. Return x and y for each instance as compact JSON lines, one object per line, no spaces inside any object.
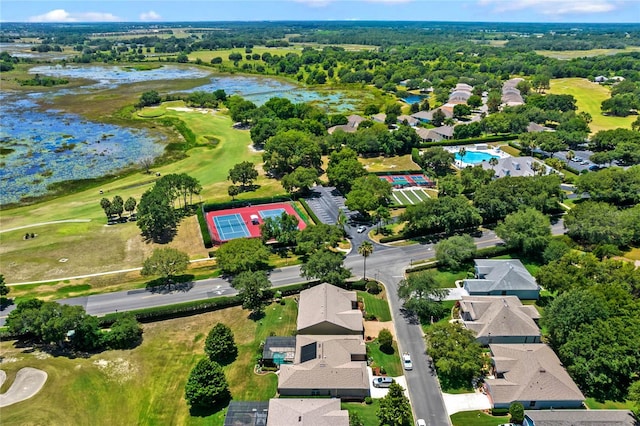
{"x":394,"y":407}
{"x":550,"y":142}
{"x":494,"y":100}
{"x":157,"y":218}
{"x":457,"y":356}
{"x":105,"y":203}
{"x":365,"y":249}
{"x":516,"y":411}
{"x":313,"y":238}
{"x":220,"y":346}
{"x":385,"y":340}
{"x":125,"y":333}
{"x":302,"y":178}
{"x":421,"y":294}
{"x":355,"y":419}
{"x":242,"y":254}
{"x":381,"y":216}
{"x":474,"y":101}
{"x":283,"y":228}
{"x":146,"y":163}
{"x":4,"y":289}
{"x":244,"y":172}
{"x":117,"y":206}
{"x":130,"y":205}
{"x":368,"y":193}
{"x":252,"y":286}
{"x":233,"y":191}
{"x":442,"y":214}
{"x":461,"y":110}
{"x":325,"y":265}
{"x":166,"y":262}
{"x":527,"y":230}
{"x":438,"y":117}
{"x":207,"y":385}
{"x":594,"y":222}
{"x":344,"y":168}
{"x":149,"y":98}
{"x":437,"y":159}
{"x":449,"y":186}
{"x":288,"y":150}
{"x":455,"y":251}
{"x":634,"y":395}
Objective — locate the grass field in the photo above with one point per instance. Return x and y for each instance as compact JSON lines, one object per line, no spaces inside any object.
{"x":376,"y":304}
{"x":145,"y":385}
{"x":381,"y":164}
{"x":366,"y":412}
{"x":477,"y":418}
{"x":589,"y":96}
{"x":572,"y":54}
{"x":608,"y":405}
{"x":390,"y":362}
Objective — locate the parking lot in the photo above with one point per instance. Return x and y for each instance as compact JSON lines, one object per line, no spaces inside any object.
{"x":326,"y":202}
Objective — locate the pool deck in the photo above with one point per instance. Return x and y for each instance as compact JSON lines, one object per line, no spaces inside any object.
{"x":490,"y":150}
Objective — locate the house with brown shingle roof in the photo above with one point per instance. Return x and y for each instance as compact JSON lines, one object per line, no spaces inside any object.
{"x":306,"y":412}
{"x":327,"y":309}
{"x":531,"y":374}
{"x":427,"y":116}
{"x":500,"y":319}
{"x":334,"y":366}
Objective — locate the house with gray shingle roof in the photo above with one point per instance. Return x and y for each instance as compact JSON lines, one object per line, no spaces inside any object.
{"x":506,"y":277}
{"x":531,"y":374}
{"x":327,"y":309}
{"x":580,"y":418}
{"x":353,"y":121}
{"x":500,"y":319}
{"x":517,"y":166}
{"x":435,"y":135}
{"x":333,"y":366}
{"x":411,"y":121}
{"x":427,"y":116}
{"x":306,"y":412}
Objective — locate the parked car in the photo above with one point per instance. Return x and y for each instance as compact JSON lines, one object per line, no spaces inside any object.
{"x":421,"y":422}
{"x":361,"y":229}
{"x":382,"y":382}
{"x":406,"y":361}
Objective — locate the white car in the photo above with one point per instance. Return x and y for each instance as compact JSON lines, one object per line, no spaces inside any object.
{"x":421,"y":422}
{"x":361,"y":229}
{"x":406,"y":361}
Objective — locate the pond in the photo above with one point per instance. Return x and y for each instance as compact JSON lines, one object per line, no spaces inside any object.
{"x":260,"y":89}
{"x":42,"y":147}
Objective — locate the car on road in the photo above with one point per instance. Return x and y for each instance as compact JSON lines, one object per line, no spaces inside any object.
{"x":382,"y":382}
{"x":406,"y":361}
{"x":421,"y":422}
{"x":361,"y":229}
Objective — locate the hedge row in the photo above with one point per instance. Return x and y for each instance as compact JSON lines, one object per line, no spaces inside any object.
{"x":423,"y":267}
{"x":310,"y":212}
{"x":489,"y":252}
{"x":204,"y":228}
{"x":451,"y":142}
{"x":208,"y":207}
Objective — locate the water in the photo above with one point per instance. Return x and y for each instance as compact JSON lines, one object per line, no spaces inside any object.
{"x":412,"y":99}
{"x":260,"y":89}
{"x":50,"y":146}
{"x":475,"y":157}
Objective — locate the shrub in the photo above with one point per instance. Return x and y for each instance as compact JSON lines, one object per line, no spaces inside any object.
{"x":385,"y":340}
{"x":207,"y":386}
{"x":125,"y":333}
{"x":220,"y":346}
{"x":368,"y":400}
{"x":370,"y":317}
{"x":516,"y":410}
{"x":373,"y":287}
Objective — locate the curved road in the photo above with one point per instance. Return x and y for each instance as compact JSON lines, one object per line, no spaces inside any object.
{"x":387,"y":264}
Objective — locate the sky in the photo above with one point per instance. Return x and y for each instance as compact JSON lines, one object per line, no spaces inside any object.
{"x":556,"y":11}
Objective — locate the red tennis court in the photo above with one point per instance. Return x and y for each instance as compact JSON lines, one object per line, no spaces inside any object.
{"x":242,"y":222}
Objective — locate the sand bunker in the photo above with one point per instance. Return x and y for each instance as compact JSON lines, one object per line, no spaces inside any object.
{"x":28,"y":382}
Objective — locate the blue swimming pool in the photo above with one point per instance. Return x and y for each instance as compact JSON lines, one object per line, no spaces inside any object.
{"x":475,"y":157}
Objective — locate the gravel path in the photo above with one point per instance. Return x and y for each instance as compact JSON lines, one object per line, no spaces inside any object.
{"x":28,"y":382}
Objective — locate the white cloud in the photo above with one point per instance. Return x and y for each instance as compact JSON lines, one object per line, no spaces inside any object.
{"x":552,"y":7}
{"x":150,"y":16}
{"x":61,"y":15}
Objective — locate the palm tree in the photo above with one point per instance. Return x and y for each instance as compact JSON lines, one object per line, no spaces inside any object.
{"x":493,"y":162}
{"x":462,"y":152}
{"x":342,"y":219}
{"x":570,"y":155}
{"x":365,"y":249}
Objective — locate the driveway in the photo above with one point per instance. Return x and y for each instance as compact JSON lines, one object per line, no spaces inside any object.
{"x":382,"y":392}
{"x":465,"y":402}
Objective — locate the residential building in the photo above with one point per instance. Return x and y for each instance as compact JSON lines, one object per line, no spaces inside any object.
{"x":306,"y":412}
{"x":536,"y":128}
{"x":427,"y":116}
{"x":502,"y":278}
{"x":517,"y":166}
{"x":327,"y":309}
{"x":499,"y":319}
{"x":411,"y":121}
{"x":531,"y":374}
{"x":334,"y":366}
{"x":580,"y":418}
{"x":435,"y":135}
{"x":351,"y":126}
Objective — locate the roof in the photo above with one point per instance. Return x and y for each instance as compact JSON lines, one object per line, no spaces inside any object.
{"x":443,"y":131}
{"x":327,"y":303}
{"x":535,"y":127}
{"x":277,"y":344}
{"x":428,"y":115}
{"x":325,"y":362}
{"x":464,"y":87}
{"x":499,"y":316}
{"x":515,"y":166}
{"x":581,"y":417}
{"x":508,"y":274}
{"x":353,"y":121}
{"x":409,"y":119}
{"x":531,"y":372}
{"x":380,"y":117}
{"x":246,"y":413}
{"x":306,"y":412}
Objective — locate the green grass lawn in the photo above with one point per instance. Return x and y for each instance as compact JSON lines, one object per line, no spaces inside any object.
{"x":421,"y":194}
{"x":382,"y":164}
{"x":367,"y":412}
{"x":411,"y":196}
{"x":145,"y":385}
{"x":608,"y":405}
{"x":445,"y":278}
{"x":449,"y":304}
{"x":571,"y":54}
{"x":589,"y":96}
{"x":376,"y":304}
{"x":477,"y":418}
{"x":390,"y":362}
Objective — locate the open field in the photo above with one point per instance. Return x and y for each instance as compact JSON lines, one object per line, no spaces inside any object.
{"x":572,"y":54}
{"x":477,"y":418}
{"x":144,"y":385}
{"x":381,"y":164}
{"x":589,"y":96}
{"x":123,"y":248}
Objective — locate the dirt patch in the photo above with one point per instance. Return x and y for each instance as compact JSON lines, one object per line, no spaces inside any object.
{"x":28,"y":382}
{"x":118,"y":370}
{"x":372,"y":328}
